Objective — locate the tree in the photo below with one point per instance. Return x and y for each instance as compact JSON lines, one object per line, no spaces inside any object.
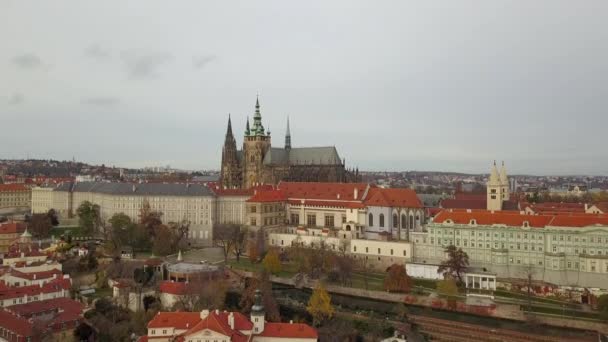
{"x":89,"y":217}
{"x":271,"y":262}
{"x":163,"y":241}
{"x":602,"y":306}
{"x":179,"y":231}
{"x":319,"y":305}
{"x":456,"y":264}
{"x":226,"y":236}
{"x":40,"y":225}
{"x":448,"y":288}
{"x":149,"y":218}
{"x":261,"y":282}
{"x":396,"y":279}
{"x":52,"y":214}
{"x":121,"y":233}
{"x":252,"y":251}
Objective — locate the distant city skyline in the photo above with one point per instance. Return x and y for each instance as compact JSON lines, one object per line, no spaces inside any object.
{"x":401,"y":86}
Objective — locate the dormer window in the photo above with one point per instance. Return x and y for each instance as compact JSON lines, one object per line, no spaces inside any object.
{"x":473,"y":222}
{"x":449,"y":221}
{"x":526,"y":224}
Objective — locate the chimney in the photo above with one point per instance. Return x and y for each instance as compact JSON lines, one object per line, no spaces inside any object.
{"x":231,"y":320}
{"x":356,"y":193}
{"x":338,"y":196}
{"x":204,"y":314}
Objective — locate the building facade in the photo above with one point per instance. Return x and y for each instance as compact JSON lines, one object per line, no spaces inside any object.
{"x":193,"y":203}
{"x":15,"y":196}
{"x":569,"y":250}
{"x":260,"y":163}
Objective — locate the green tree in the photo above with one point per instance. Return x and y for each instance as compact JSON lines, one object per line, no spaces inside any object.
{"x":162,"y":244}
{"x":602,"y":306}
{"x":121,"y":233}
{"x":396,"y":279}
{"x":40,"y":225}
{"x":271,"y":262}
{"x":447,"y":288}
{"x":456,"y":264}
{"x":89,"y":217}
{"x":319,"y":305}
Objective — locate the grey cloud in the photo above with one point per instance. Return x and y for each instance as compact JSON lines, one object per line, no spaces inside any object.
{"x":202,"y":61}
{"x":16,"y":99}
{"x":97,"y":52}
{"x":27,"y":61}
{"x":144,"y":66}
{"x":101,"y":101}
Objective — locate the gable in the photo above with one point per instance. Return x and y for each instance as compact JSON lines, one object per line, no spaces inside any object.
{"x":206,"y":335}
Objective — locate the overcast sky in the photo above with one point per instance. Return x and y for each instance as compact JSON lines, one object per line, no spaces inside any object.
{"x":402,"y":85}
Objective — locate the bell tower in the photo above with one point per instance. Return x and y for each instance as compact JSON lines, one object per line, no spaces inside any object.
{"x":494,"y":188}
{"x":255,"y":145}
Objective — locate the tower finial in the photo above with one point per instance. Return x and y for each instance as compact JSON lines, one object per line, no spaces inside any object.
{"x":229,"y":130}
{"x":288,"y":136}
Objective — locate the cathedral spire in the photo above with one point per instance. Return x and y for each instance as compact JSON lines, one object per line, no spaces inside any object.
{"x":229,"y":130}
{"x":258,"y":128}
{"x":247,"y":130}
{"x":288,"y":136}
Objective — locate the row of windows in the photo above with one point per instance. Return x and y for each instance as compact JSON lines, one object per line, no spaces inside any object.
{"x":379,"y":250}
{"x":404,"y":220}
{"x":525,"y":236}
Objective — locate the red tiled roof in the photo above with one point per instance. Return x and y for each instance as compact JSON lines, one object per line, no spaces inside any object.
{"x":516,"y":219}
{"x":393,"y":197}
{"x":33,"y":290}
{"x":12,"y":228}
{"x":579,"y":220}
{"x":13,"y":187}
{"x":37,"y":275}
{"x":261,"y":196}
{"x":18,"y":325}
{"x":289,"y":330}
{"x":177,"y":320}
{"x":61,"y":303}
{"x":467,"y":196}
{"x":333,"y":204}
{"x":323,"y":191}
{"x":484,"y":217}
{"x":175,"y":287}
{"x":218,"y":322}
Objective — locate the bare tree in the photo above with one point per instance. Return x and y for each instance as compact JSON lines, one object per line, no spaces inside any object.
{"x":229,"y":237}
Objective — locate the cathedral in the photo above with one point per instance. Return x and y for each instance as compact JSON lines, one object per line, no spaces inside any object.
{"x":260,"y":163}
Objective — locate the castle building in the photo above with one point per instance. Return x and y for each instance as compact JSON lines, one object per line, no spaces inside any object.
{"x":260,"y":163}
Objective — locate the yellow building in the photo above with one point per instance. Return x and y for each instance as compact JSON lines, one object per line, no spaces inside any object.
{"x":14,"y":196}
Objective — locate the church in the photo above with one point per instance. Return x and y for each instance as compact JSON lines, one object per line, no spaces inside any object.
{"x":260,"y":163}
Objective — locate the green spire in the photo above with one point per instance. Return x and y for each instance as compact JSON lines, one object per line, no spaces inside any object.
{"x":247,"y":130}
{"x":258,"y":128}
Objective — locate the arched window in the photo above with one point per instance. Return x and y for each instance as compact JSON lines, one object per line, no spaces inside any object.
{"x":371,"y":220}
{"x":395,"y":221}
{"x":411,"y":222}
{"x":381,"y":219}
{"x":403,"y":221}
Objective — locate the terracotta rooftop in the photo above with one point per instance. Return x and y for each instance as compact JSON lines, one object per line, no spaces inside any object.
{"x":61,"y":303}
{"x":393,"y":197}
{"x":177,"y":320}
{"x":323,"y":191}
{"x":289,"y":330}
{"x":12,"y":228}
{"x":517,"y":219}
{"x":13,"y":187}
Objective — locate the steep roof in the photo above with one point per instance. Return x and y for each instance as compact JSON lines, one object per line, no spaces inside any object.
{"x":261,"y":196}
{"x":393,"y":197}
{"x":177,"y":320}
{"x":323,"y":191}
{"x":516,"y":219}
{"x":453,"y":203}
{"x":13,"y":187}
{"x":325,"y":155}
{"x":289,"y":330}
{"x":137,"y":189}
{"x":218,"y":322}
{"x":484,"y":217}
{"x":65,"y":304}
{"x":12,"y":228}
{"x":19,"y":325}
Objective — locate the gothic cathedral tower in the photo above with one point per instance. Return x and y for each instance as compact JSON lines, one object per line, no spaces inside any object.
{"x":255,"y":145}
{"x":230,"y":176}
